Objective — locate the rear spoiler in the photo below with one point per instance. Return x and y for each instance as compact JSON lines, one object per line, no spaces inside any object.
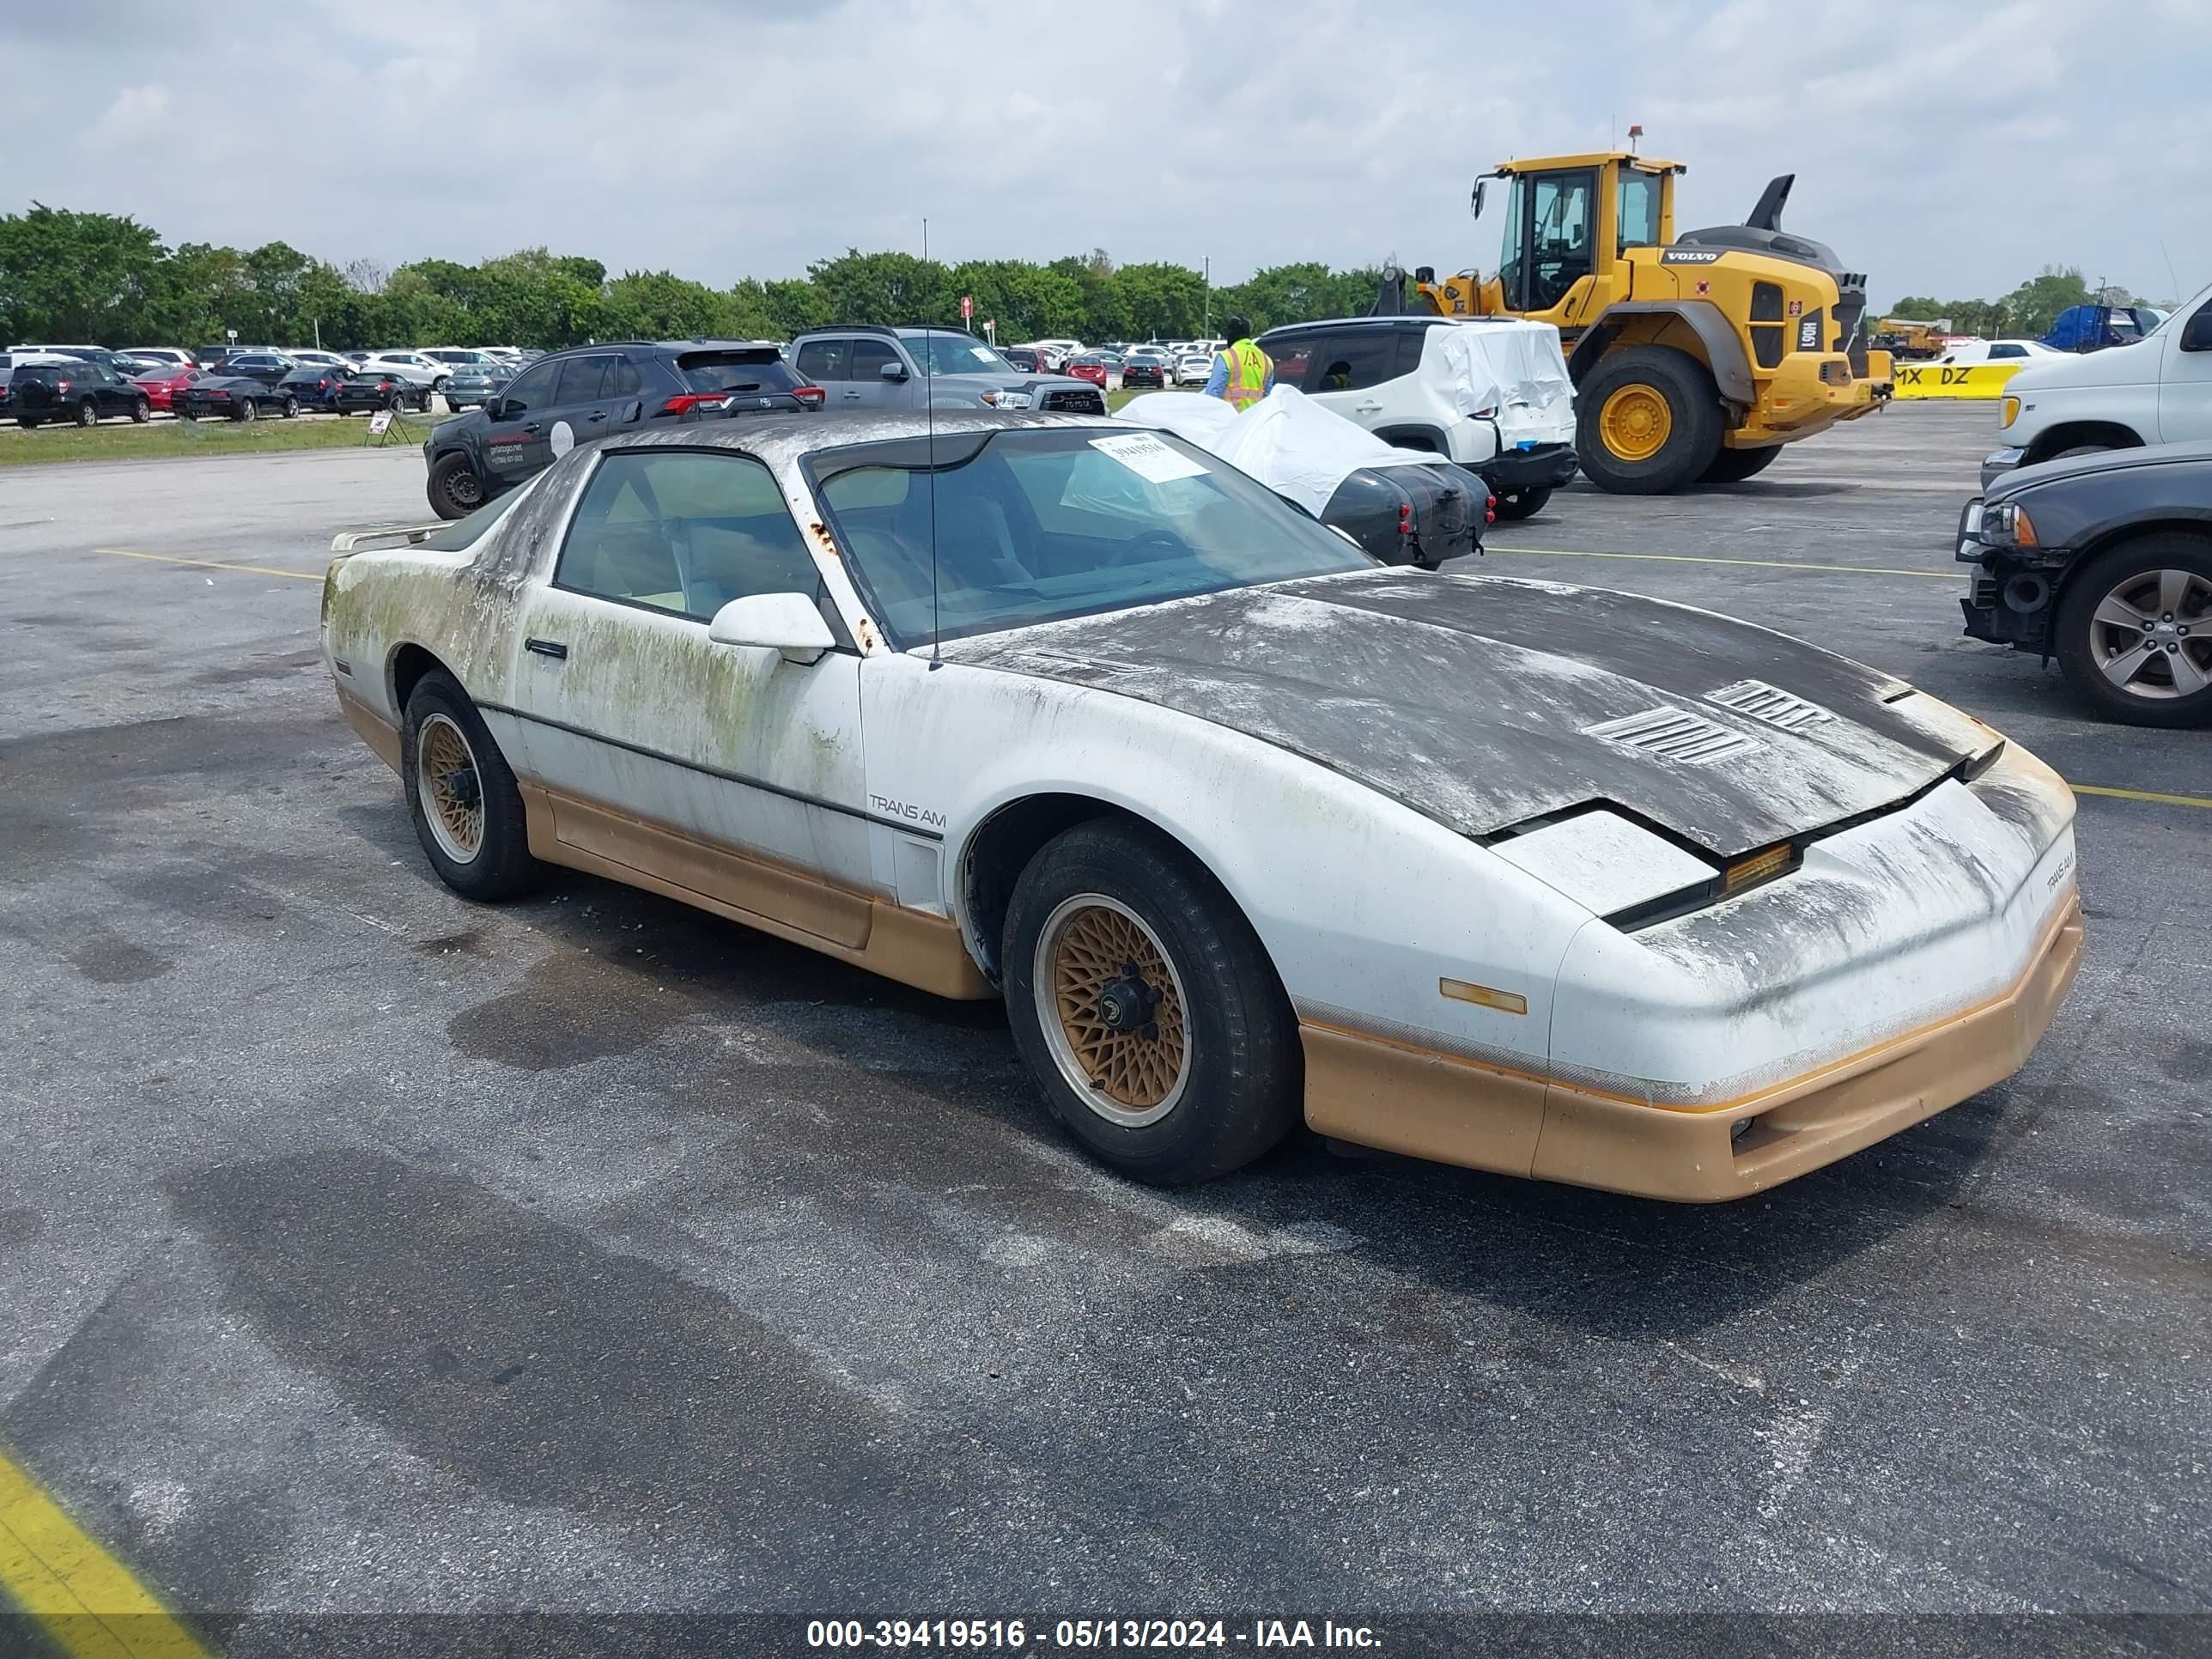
{"x":390,"y":535}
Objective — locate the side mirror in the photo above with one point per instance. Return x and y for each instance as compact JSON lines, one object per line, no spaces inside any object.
{"x":495,"y":408}
{"x":1481,"y":190}
{"x":2196,"y":335}
{"x":788,"y":622}
{"x":894,"y":371}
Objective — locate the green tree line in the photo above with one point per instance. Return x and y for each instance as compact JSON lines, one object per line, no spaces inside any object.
{"x":2029,"y":310}
{"x":102,"y":279}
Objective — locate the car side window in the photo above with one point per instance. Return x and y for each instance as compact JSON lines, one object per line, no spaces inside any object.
{"x":1996,"y":351}
{"x":532,"y":389}
{"x":868,"y":359}
{"x":685,"y":533}
{"x":1354,"y":360}
{"x":1412,"y":342}
{"x":623,"y":379}
{"x":1293,"y":359}
{"x":822,"y":359}
{"x":581,"y":380}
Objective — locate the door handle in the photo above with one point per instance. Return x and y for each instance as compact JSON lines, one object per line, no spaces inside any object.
{"x":598,"y":415}
{"x":1367,"y":409}
{"x":531,"y":427}
{"x":552,"y":648}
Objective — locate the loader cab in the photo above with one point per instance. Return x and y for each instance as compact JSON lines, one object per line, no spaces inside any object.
{"x":1568,"y":220}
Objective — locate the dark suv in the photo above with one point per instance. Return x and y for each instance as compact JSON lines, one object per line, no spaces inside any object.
{"x":571,"y":397}
{"x":73,"y":391}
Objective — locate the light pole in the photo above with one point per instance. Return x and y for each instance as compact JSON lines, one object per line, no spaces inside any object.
{"x":1206,"y":262}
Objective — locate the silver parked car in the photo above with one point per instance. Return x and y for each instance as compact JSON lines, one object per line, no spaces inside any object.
{"x":866,"y":368}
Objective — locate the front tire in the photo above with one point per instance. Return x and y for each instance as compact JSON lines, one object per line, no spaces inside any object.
{"x":2133,"y":631}
{"x":454,"y":489}
{"x":1146,"y":1007}
{"x":462,"y":796}
{"x":1735,"y":465}
{"x":28,"y":422}
{"x":1526,"y":504}
{"x":1649,"y":420}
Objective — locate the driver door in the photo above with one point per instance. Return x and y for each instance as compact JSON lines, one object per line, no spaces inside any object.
{"x":725,"y":771}
{"x":2184,"y":378}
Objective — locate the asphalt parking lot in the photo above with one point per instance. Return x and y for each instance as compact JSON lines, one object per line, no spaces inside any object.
{"x":362,"y":1250}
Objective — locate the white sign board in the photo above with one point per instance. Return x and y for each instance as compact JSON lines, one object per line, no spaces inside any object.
{"x":380,"y":421}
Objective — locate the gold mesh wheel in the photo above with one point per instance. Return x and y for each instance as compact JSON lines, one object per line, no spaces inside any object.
{"x":1113,"y":1011}
{"x":451,"y":792}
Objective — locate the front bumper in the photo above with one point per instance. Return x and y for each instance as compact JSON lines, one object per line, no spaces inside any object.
{"x":1997,"y":463}
{"x":2011,"y":590}
{"x":1536,"y":466}
{"x":1376,"y":1091}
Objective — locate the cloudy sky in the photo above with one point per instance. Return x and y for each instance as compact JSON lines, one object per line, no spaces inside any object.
{"x":1945,"y":147}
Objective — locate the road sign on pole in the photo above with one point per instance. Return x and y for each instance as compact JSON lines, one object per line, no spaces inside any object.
{"x":967,"y":307}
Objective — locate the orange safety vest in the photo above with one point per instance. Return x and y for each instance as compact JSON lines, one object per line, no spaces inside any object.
{"x":1248,"y":370}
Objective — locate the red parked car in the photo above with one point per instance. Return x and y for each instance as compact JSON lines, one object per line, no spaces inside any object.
{"x":161,"y":390}
{"x":1091,"y":366}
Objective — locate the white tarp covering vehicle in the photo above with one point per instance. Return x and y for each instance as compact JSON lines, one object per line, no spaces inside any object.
{"x":1340,"y":473}
{"x":1490,"y":393}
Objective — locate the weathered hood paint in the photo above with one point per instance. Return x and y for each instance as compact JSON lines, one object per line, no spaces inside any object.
{"x":1467,"y":698}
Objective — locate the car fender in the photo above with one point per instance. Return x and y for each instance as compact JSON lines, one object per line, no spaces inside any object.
{"x":1364,"y":906}
{"x":1724,"y":352}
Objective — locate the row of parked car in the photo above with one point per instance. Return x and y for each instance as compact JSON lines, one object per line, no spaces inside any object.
{"x":82,"y":385}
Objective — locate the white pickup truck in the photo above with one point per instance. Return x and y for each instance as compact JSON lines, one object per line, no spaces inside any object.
{"x":2157,"y":390}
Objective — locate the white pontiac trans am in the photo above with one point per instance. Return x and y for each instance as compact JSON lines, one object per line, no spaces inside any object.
{"x":1549,"y":880}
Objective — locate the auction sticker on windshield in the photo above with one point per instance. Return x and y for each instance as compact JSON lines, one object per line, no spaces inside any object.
{"x":1148,"y":457}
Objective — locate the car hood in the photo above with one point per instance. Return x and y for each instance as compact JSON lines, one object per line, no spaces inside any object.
{"x":2104,"y":460}
{"x":2121,"y":365}
{"x":1486,"y":701}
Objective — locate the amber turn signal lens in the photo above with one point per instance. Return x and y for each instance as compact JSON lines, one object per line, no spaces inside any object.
{"x":1757,"y":868}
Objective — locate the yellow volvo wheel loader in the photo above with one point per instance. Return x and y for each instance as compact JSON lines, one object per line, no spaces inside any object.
{"x":1695,"y":357}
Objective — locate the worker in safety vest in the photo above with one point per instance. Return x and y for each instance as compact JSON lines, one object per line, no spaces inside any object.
{"x":1242,"y":375}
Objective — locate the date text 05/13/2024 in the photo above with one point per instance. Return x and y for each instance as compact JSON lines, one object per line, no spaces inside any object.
{"x":1086,"y":1634}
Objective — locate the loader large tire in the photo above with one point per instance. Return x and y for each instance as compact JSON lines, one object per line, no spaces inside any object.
{"x":1649,"y":420}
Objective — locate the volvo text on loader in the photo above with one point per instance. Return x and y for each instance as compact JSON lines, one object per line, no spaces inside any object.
{"x":1695,"y":357}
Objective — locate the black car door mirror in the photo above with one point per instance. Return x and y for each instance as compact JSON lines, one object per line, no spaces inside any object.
{"x":492,"y":407}
{"x":894,"y":370}
{"x":2196,"y":334}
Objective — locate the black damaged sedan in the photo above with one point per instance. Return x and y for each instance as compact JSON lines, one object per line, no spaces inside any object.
{"x":233,"y":397}
{"x":2104,"y":562}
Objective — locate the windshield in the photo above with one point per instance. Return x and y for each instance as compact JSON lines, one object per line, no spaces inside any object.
{"x":955,"y":354}
{"x":1034,"y":525}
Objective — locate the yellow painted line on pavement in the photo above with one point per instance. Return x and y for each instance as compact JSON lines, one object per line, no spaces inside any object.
{"x":1762,"y":564}
{"x":2151,"y":795}
{"x":213,"y":564}
{"x":88,"y":1601}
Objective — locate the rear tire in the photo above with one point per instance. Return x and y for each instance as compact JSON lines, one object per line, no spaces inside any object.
{"x":1526,"y":504}
{"x":291,"y":412}
{"x":1649,"y":420}
{"x":1735,"y":465}
{"x":1181,"y":1071}
{"x":462,"y":796}
{"x":28,"y":422}
{"x":454,"y":489}
{"x":141,"y":411}
{"x":2140,"y":675}
{"x":246,"y":410}
{"x":87,"y":414}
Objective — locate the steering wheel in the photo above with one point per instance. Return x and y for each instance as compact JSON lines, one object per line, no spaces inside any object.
{"x":1167,"y":539}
